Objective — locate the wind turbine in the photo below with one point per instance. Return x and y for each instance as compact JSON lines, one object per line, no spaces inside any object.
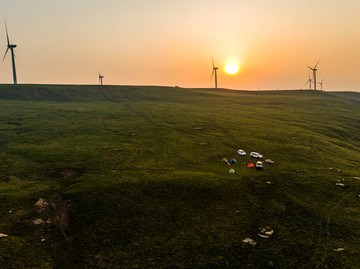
{"x":214,"y":71}
{"x":309,"y":81}
{"x":11,"y":47}
{"x":321,"y":83}
{"x":314,"y":72}
{"x":100,"y":78}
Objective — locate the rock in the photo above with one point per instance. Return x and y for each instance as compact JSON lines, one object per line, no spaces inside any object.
{"x":268,"y":182}
{"x":3,"y":235}
{"x":263,"y":236}
{"x":266,"y":232}
{"x":357,"y":177}
{"x":43,"y":240}
{"x":340,"y":184}
{"x":203,"y":144}
{"x":249,"y":241}
{"x":339,"y":249}
{"x":133,"y":134}
{"x":40,"y":202}
{"x":38,"y":221}
{"x":269,"y":161}
{"x":197,"y":128}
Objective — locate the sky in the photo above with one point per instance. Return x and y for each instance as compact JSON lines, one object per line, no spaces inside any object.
{"x":171,"y":43}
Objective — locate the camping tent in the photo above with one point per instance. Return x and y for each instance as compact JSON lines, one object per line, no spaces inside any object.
{"x":250,"y":165}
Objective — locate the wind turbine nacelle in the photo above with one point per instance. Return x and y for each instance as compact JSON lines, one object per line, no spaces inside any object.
{"x":12,"y":46}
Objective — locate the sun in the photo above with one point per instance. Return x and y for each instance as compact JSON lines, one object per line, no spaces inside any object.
{"x":231,"y":69}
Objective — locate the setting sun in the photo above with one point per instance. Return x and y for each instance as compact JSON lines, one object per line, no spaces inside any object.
{"x":232,"y":69}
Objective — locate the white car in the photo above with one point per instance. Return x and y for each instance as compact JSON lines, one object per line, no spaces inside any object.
{"x":241,"y":152}
{"x":256,"y":155}
{"x":259,"y":165}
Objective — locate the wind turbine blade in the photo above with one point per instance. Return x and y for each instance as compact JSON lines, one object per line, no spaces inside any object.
{"x":7,"y":35}
{"x":5,"y":53}
{"x":212,"y":74}
{"x":317,"y":64}
{"x":310,"y":67}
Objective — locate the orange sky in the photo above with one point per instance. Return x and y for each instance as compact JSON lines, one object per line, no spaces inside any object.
{"x":171,"y":43}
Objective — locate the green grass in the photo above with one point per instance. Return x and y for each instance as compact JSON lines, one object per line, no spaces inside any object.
{"x":146,"y":194}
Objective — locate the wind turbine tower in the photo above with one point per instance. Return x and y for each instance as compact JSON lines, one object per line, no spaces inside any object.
{"x":101,"y":78}
{"x":11,"y":47}
{"x":321,"y":83}
{"x":214,"y":71}
{"x":314,"y":72}
{"x":309,"y":81}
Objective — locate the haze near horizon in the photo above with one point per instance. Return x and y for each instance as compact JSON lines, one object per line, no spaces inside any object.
{"x":171,"y":42}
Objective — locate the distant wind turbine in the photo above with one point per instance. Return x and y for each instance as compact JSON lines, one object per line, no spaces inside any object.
{"x":11,"y":47}
{"x":101,"y":78}
{"x":321,"y":83}
{"x":214,"y":70}
{"x":314,"y":72}
{"x":309,"y":81}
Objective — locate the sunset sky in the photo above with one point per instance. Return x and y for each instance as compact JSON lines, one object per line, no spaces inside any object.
{"x":163,"y":42}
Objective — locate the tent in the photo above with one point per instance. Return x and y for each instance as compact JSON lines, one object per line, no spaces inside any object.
{"x":225,"y":161}
{"x":232,"y":161}
{"x":231,"y":171}
{"x":250,"y":165}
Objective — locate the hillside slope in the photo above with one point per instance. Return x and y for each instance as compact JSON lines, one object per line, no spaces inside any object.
{"x":132,"y":176}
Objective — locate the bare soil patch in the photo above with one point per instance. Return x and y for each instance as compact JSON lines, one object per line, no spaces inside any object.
{"x":67,"y":172}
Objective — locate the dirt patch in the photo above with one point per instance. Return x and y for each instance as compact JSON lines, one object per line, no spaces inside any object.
{"x":298,"y":172}
{"x":42,"y":205}
{"x":67,"y":172}
{"x":5,"y":179}
{"x":54,"y":217}
{"x":62,"y":217}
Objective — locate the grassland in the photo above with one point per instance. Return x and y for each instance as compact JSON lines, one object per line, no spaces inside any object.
{"x":127,"y":180}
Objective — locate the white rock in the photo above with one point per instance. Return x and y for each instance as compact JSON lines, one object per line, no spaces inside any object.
{"x":263,"y":236}
{"x":3,"y":235}
{"x":249,"y":241}
{"x":38,"y":221}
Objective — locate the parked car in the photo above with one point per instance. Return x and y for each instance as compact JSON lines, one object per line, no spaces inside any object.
{"x":256,"y":155}
{"x":241,"y":152}
{"x":259,"y":165}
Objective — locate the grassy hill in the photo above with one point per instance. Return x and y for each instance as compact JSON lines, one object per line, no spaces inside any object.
{"x":132,"y":177}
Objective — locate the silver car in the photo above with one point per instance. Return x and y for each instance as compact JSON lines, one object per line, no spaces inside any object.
{"x":256,"y":155}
